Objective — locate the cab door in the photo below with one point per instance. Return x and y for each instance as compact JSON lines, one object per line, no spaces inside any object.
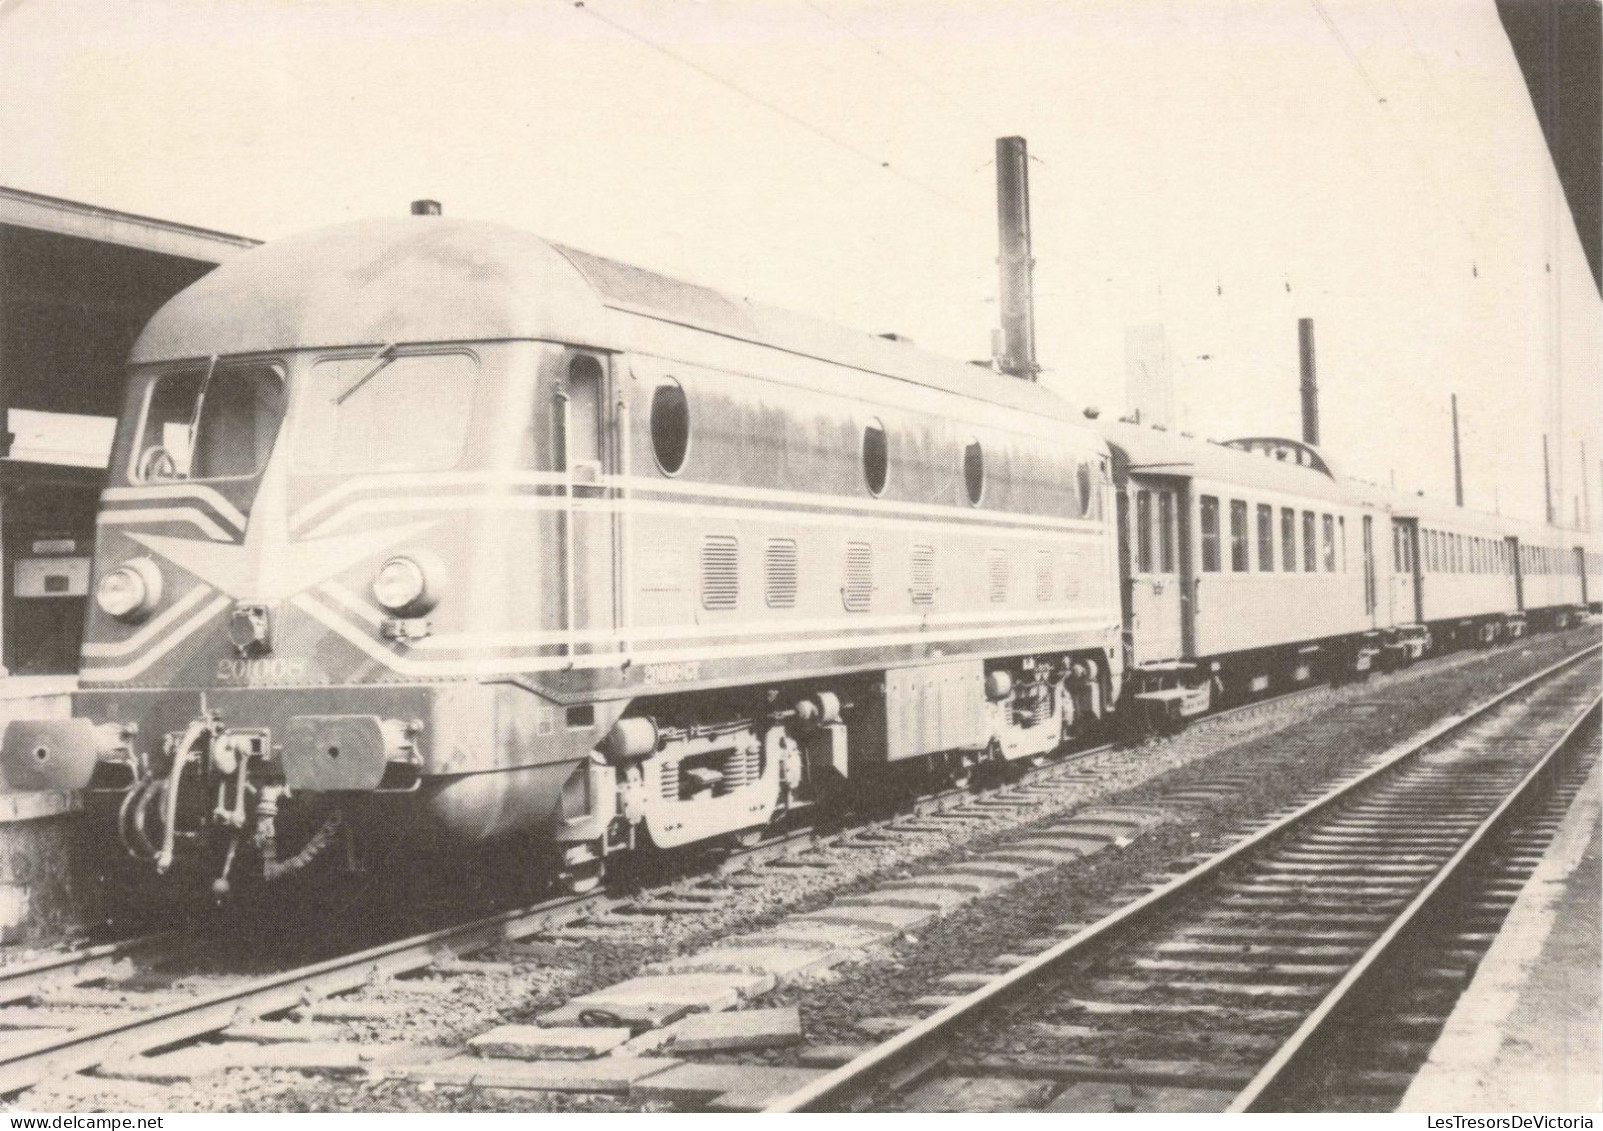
{"x":586,"y":459}
{"x":1155,"y":573}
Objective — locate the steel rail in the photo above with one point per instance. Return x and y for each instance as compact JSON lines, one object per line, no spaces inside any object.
{"x":882,"y":1060}
{"x":1286,"y":1060}
{"x":18,"y":980}
{"x":123,"y":1037}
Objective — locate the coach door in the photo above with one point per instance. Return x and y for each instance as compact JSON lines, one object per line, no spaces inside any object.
{"x":1155,"y":567}
{"x":1517,"y":568}
{"x":591,"y":562}
{"x":1406,"y":595}
{"x":1371,"y":587}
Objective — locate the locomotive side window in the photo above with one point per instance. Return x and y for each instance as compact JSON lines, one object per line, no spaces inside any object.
{"x":1166,"y":531}
{"x":974,"y":471}
{"x":218,"y":423}
{"x":1082,"y":480}
{"x":1310,"y":552}
{"x":876,"y":458}
{"x":359,"y":411}
{"x":1266,"y":538}
{"x":1238,"y":536}
{"x":670,"y":427}
{"x":1288,"y":539}
{"x":1143,"y":531}
{"x":1341,"y":529}
{"x":1328,"y":527}
{"x":1210,"y":534}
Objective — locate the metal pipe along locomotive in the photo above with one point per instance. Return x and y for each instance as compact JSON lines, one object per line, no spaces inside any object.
{"x":422,"y":526}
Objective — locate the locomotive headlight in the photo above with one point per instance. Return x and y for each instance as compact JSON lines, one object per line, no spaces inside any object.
{"x":130,"y":591}
{"x":402,"y":587}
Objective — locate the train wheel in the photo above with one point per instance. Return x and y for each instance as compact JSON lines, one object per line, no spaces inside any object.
{"x":748,"y":838}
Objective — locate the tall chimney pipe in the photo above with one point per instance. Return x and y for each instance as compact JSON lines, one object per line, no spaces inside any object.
{"x":1310,"y":385}
{"x":1016,"y":267}
{"x":1547,"y":484}
{"x":425,"y":208}
{"x":1458,"y":463}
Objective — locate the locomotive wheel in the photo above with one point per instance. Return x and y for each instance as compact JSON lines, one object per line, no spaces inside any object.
{"x":748,"y":838}
{"x":583,"y":878}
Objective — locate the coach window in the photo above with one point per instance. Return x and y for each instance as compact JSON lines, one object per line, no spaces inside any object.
{"x":1166,"y":531}
{"x":1266,"y":538}
{"x":1082,"y":478}
{"x":1310,"y":550}
{"x":670,"y":427}
{"x":1328,"y":526}
{"x":1288,"y":539}
{"x":1210,"y":534}
{"x":1341,"y":531}
{"x":974,"y":471}
{"x":1238,"y":537}
{"x":1143,"y":531}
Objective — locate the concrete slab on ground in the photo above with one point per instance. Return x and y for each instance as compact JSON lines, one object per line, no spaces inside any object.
{"x":535,"y":1042}
{"x":207,"y":1060}
{"x":738,"y":1029}
{"x":729,"y":1087}
{"x":797,"y":931}
{"x":782,"y":963}
{"x":265,"y":1032}
{"x":604,"y":1074}
{"x":962,"y":881}
{"x":661,"y":998}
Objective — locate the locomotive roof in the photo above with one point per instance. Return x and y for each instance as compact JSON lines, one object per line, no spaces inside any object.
{"x":433,"y":279}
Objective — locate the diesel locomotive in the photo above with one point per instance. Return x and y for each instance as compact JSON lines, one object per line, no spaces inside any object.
{"x":425,"y":527}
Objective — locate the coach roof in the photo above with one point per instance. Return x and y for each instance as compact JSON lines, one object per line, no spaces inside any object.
{"x":433,"y":279}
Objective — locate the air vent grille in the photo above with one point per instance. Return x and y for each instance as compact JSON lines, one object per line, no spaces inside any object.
{"x":859,"y":587}
{"x":779,"y":573}
{"x":720,"y":572}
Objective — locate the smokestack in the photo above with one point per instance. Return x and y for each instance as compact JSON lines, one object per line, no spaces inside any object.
{"x":1547,"y":484}
{"x":425,"y":208}
{"x":1310,"y":386}
{"x":1016,"y":298}
{"x":1458,"y":463}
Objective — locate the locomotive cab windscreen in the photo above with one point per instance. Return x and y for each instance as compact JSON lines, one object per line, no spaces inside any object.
{"x":348,"y":413}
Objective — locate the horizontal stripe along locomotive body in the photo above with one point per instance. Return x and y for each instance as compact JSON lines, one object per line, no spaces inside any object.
{"x":103,"y":650}
{"x":404,"y":664}
{"x":864,"y":625}
{"x":140,"y":516}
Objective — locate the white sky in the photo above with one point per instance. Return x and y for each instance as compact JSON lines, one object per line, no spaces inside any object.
{"x":1183,"y":148}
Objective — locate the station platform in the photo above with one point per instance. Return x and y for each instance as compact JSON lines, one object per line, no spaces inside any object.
{"x":1525,"y":1037}
{"x":39,"y":891}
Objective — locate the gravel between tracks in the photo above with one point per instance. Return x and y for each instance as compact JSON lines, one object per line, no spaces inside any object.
{"x":1336,"y":728}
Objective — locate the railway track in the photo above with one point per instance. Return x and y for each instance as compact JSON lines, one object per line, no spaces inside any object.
{"x":1228,"y":988}
{"x":107,"y":1004}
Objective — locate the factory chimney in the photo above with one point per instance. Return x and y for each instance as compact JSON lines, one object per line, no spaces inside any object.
{"x":425,"y":208}
{"x":1016,"y":299}
{"x":1458,"y":463}
{"x":1310,"y":386}
{"x":1547,"y":484}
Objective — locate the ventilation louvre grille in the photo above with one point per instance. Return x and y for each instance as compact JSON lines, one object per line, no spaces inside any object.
{"x":720,"y":572}
{"x":859,"y":587}
{"x":779,"y":573}
{"x":923,"y":575}
{"x":1043,"y":575}
{"x":996,"y":566}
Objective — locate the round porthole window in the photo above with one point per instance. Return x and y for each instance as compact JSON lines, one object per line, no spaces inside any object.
{"x":670,"y":427}
{"x":974,"y":471}
{"x":1082,"y":480}
{"x":876,"y":458}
